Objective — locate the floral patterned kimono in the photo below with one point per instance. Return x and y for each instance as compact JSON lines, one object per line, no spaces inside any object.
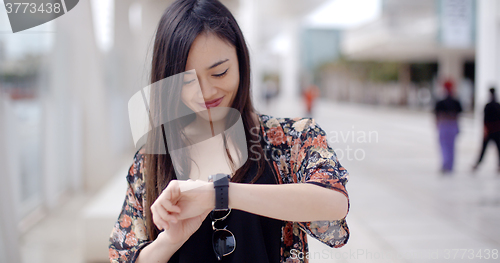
{"x":299,"y":153}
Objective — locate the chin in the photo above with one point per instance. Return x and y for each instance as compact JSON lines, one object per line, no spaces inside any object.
{"x":216,"y":113}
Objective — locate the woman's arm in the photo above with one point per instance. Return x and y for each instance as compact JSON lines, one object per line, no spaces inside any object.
{"x":290,"y":202}
{"x":158,"y":251}
{"x":318,"y":188}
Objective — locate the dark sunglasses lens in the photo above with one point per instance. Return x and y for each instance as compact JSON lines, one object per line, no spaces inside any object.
{"x":223,"y":242}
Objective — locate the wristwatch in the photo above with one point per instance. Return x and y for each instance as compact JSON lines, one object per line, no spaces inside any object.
{"x":221,"y":185}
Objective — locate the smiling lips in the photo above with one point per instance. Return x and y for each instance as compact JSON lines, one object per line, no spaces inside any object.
{"x":212,"y":103}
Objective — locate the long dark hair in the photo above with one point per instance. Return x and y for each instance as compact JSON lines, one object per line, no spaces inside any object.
{"x":179,"y":25}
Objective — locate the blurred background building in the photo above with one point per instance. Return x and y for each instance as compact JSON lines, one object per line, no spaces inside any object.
{"x":64,"y":87}
{"x":402,"y":56}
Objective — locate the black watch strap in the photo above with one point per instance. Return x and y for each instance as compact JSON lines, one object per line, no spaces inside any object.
{"x":221,"y":185}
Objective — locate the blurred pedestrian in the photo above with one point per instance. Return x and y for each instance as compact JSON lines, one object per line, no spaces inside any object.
{"x":491,"y":126}
{"x":310,"y":95}
{"x":270,"y":91}
{"x":447,"y":111}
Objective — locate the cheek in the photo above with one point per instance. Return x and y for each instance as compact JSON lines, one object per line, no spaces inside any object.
{"x":187,"y":97}
{"x":184,"y":96}
{"x":234,"y":82}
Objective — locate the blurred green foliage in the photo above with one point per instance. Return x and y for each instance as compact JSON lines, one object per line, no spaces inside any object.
{"x":24,"y":69}
{"x":372,"y":71}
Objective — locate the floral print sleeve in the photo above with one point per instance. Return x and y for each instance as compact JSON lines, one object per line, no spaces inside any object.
{"x":301,"y":154}
{"x":129,"y":233}
{"x":318,"y":164}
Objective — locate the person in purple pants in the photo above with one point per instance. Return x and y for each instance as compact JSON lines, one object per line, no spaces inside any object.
{"x":447,"y":111}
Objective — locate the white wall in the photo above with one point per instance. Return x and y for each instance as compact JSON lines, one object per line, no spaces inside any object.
{"x":9,"y":247}
{"x":487,"y":51}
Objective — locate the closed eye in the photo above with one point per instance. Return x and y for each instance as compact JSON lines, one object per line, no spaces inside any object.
{"x":189,"y":81}
{"x":221,"y":74}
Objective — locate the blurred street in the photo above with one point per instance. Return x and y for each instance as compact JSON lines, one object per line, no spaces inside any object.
{"x":402,"y":208}
{"x":401,"y":205}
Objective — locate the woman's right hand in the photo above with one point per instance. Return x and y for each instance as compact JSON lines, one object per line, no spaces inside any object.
{"x":170,"y":240}
{"x":178,"y":233}
{"x":165,"y":211}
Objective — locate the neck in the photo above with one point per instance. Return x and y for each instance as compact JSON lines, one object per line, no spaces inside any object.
{"x":209,"y":126}
{"x":202,"y":126}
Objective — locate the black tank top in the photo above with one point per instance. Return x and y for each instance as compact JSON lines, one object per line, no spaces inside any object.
{"x":258,"y":238}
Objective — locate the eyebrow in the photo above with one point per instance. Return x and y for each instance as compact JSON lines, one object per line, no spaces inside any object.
{"x":211,"y":67}
{"x":218,"y":63}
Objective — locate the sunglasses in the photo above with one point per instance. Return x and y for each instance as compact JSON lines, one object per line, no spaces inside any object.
{"x":223,"y":241}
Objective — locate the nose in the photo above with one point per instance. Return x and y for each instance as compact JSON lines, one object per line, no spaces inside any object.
{"x":208,"y":90}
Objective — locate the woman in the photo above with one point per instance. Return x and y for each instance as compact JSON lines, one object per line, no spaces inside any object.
{"x":282,"y":191}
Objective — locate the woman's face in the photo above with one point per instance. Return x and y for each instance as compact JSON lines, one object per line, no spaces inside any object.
{"x":212,"y":77}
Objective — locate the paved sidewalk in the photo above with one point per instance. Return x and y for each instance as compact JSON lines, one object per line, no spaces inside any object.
{"x":402,"y":208}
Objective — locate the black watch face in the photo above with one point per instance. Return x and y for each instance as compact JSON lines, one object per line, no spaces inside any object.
{"x":221,"y":176}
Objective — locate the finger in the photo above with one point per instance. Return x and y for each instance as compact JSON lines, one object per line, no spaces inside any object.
{"x":157,"y":218}
{"x":167,"y":204}
{"x":170,"y":196}
{"x":173,"y":192}
{"x":176,"y":192}
{"x":159,"y":223}
{"x":167,"y":216}
{"x":170,"y":207}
